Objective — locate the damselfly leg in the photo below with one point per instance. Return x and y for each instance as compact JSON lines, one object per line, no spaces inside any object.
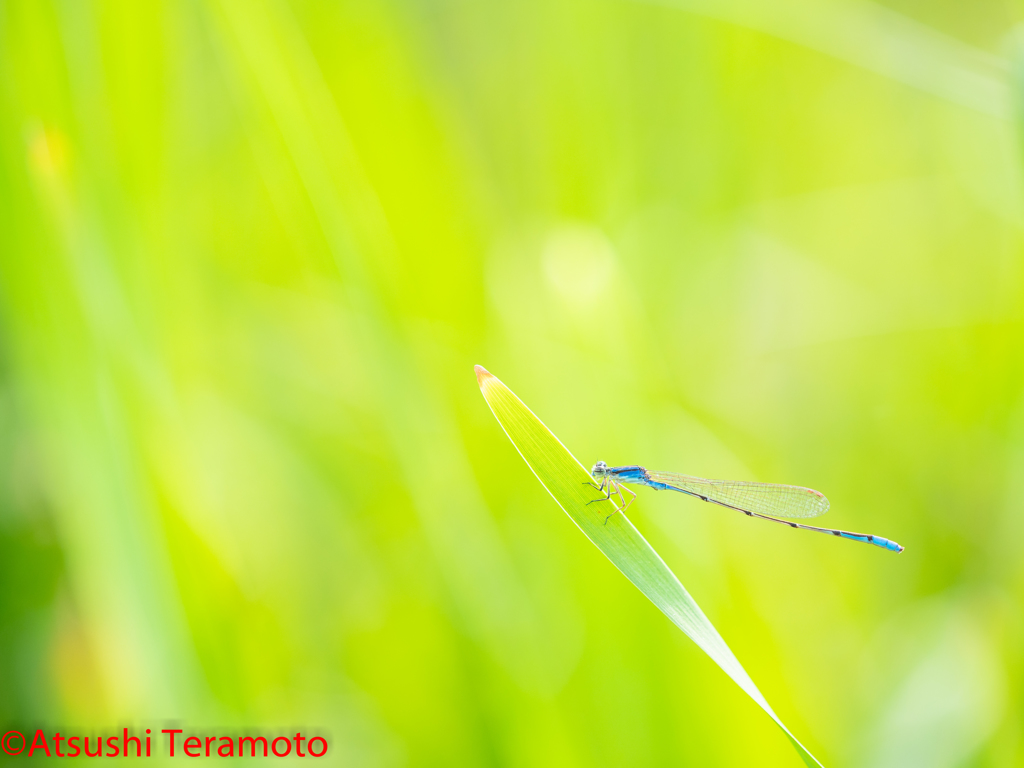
{"x":613,"y":488}
{"x":624,"y":504}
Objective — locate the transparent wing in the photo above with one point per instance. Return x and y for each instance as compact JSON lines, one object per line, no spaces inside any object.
{"x":759,"y":498}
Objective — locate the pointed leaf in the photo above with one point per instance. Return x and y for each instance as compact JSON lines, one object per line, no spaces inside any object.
{"x":566,"y":480}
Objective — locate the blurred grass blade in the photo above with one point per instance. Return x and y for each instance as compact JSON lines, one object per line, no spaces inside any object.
{"x":565,"y":479}
{"x":879,"y":39}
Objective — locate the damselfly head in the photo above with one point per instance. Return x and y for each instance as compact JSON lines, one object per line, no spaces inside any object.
{"x":599,"y":469}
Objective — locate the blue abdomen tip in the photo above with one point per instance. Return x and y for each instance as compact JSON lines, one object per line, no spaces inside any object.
{"x":892,"y":546}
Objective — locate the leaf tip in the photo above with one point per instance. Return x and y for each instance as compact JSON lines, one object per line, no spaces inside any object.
{"x":482,"y":375}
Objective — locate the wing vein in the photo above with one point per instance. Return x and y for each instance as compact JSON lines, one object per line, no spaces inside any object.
{"x":792,"y":501}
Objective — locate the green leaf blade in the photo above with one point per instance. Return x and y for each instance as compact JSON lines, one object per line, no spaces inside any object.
{"x":567,"y":480}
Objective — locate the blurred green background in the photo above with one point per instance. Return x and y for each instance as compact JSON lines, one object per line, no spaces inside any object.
{"x":250,"y":251}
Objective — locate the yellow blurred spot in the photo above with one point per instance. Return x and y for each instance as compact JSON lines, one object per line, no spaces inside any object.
{"x":47,"y":150}
{"x":73,"y":666}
